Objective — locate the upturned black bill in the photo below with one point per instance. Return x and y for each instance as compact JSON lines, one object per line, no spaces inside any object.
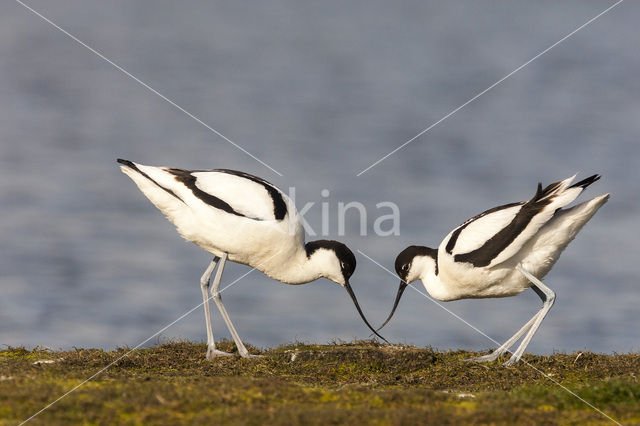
{"x":403,"y":285}
{"x":355,"y":301}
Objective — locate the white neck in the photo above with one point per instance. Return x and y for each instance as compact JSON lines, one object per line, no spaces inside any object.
{"x":426,"y":267}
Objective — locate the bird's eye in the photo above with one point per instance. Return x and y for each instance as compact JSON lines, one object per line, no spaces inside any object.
{"x":343,"y":265}
{"x":405,"y":268}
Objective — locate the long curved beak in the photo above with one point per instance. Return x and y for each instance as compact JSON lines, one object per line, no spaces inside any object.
{"x":403,"y":285}
{"x":355,"y":302}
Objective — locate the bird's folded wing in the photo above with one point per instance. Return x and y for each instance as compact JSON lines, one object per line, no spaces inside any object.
{"x":496,"y":235}
{"x":468,"y":243}
{"x":247,"y":195}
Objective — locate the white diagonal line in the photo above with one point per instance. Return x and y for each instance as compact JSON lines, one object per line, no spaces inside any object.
{"x":129,"y":352}
{"x":152,"y":336}
{"x":491,"y":87}
{"x":145,"y":85}
{"x":494,"y":341}
{"x":498,"y":343}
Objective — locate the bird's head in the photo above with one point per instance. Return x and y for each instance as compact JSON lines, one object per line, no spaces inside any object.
{"x":336,"y":263}
{"x":412,"y":264}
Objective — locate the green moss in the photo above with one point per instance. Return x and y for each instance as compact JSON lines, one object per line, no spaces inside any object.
{"x":301,"y":383}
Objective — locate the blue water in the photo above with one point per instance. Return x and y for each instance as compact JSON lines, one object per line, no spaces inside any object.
{"x":319,"y":91}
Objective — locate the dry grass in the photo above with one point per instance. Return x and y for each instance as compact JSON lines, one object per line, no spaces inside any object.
{"x":355,"y":383}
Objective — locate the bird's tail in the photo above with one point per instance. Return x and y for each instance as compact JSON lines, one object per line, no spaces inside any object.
{"x":566,"y":223}
{"x":156,"y":184}
{"x":562,"y":193}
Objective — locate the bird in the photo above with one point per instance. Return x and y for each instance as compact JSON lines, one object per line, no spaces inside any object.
{"x":241,"y":218}
{"x":502,"y":252}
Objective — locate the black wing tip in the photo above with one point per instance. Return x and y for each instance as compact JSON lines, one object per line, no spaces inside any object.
{"x":126,"y":163}
{"x":539,"y":192}
{"x":586,"y":182}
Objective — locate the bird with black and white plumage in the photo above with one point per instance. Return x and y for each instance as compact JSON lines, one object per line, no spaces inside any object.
{"x":502,"y":252}
{"x":241,"y":218}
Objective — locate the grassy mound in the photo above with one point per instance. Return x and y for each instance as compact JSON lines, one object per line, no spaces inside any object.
{"x":355,"y":383}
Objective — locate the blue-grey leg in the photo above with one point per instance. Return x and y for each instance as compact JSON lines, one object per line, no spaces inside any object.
{"x":548,"y":297}
{"x":212,"y":352}
{"x":215,"y":293}
{"x":506,"y":345}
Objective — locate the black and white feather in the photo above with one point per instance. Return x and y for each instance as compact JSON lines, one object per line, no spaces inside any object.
{"x":226,"y":211}
{"x":498,"y":234}
{"x":245,"y":219}
{"x":504,"y":250}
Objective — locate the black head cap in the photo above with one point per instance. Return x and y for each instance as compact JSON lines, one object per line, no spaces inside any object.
{"x":406,"y":256}
{"x":344,"y":255}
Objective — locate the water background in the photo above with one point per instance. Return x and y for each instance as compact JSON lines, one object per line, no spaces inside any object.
{"x":319,"y":91}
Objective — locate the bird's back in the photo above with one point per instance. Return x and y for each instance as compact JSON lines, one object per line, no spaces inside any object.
{"x":480,"y":255}
{"x":221,"y":210}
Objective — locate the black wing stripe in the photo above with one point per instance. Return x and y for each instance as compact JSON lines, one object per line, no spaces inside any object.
{"x":279,"y":206}
{"x":454,"y":236}
{"x":132,"y":165}
{"x":186,"y":178}
{"x":492,"y":248}
{"x":485,"y":254}
{"x":548,"y":190}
